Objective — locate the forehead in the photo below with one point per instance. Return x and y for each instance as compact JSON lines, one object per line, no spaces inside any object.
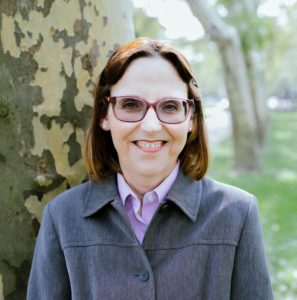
{"x":153,"y":77}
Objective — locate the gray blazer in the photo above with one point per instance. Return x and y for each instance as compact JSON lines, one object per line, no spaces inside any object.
{"x":204,"y":242}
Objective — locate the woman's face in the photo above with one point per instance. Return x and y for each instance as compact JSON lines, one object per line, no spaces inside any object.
{"x":148,"y":148}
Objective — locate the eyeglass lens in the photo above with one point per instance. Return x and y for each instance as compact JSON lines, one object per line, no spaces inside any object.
{"x":131,"y":109}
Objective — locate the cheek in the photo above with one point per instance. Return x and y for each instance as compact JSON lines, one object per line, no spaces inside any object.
{"x":183,"y":139}
{"x":120,"y":134}
{"x":179,"y":136}
{"x":118,"y":143}
{"x":117,"y":135}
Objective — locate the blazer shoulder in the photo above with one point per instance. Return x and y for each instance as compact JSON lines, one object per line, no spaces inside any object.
{"x":214,"y":187}
{"x":228,"y":209}
{"x":85,"y":198}
{"x":228,"y":198}
{"x":70,"y":198}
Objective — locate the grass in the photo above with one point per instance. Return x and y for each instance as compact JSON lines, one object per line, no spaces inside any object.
{"x":275,"y":186}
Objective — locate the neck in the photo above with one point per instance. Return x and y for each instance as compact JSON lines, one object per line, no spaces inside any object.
{"x":143,"y":184}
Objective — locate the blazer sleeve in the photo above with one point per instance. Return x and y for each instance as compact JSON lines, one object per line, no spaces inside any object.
{"x":48,"y":277}
{"x":250,"y":278}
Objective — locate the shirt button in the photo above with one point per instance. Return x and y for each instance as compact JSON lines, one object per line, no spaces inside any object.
{"x":165,"y":206}
{"x":144,"y":276}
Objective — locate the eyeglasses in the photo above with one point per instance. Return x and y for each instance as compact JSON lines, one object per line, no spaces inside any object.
{"x":134,"y":109}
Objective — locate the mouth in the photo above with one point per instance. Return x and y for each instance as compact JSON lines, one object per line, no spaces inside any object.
{"x":149,"y":146}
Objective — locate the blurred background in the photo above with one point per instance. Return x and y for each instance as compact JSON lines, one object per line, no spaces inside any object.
{"x":243,"y":54}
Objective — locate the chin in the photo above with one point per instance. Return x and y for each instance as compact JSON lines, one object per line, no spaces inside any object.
{"x":151,"y":169}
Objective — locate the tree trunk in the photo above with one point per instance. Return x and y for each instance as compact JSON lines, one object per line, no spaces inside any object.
{"x":1,"y":288}
{"x":254,"y":60}
{"x":255,"y":65}
{"x":51,"y":53}
{"x":246,"y":156}
{"x":243,"y":14}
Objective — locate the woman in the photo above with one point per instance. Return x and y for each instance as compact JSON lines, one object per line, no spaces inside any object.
{"x":149,"y":224}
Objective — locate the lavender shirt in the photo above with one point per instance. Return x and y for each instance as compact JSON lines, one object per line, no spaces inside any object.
{"x":140,"y":216}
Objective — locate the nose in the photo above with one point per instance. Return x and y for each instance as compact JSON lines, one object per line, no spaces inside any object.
{"x":150,"y":122}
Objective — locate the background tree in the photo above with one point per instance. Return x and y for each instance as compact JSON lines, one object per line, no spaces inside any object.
{"x":51,"y":53}
{"x":253,"y":32}
{"x":146,"y":26}
{"x":281,"y":54}
{"x":245,"y":139}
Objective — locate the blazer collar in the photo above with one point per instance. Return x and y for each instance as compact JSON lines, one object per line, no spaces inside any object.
{"x":99,"y":194}
{"x":185,"y":193}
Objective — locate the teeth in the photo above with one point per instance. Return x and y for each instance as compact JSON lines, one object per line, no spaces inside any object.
{"x":149,"y":145}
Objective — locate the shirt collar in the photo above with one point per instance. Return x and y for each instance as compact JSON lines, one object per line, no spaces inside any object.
{"x":185,"y":192}
{"x":161,"y":190}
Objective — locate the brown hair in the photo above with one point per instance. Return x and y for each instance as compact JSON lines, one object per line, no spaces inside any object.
{"x":100,"y":156}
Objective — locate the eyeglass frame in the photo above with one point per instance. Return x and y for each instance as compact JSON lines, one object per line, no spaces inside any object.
{"x":113,"y":99}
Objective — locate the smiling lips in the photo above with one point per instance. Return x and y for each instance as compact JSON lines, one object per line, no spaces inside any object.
{"x":149,"y":146}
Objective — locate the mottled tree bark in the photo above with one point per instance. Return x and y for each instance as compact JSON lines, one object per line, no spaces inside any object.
{"x":246,"y":156}
{"x":51,"y":53}
{"x":1,"y":288}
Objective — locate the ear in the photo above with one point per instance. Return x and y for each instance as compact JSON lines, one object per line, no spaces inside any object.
{"x":104,"y":124}
{"x":191,"y":124}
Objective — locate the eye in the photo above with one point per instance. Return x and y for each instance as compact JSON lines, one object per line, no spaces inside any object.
{"x":130,"y":104}
{"x":170,"y":106}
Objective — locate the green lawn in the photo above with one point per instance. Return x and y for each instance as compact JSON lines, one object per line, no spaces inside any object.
{"x":276,"y":189}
